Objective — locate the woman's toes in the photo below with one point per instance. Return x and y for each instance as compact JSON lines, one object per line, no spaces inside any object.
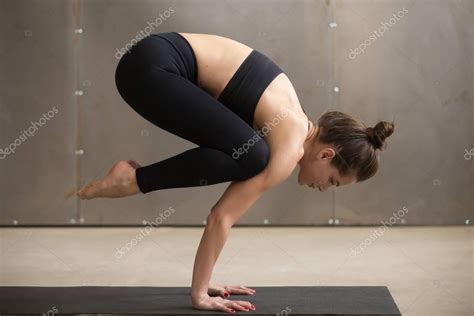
{"x":91,"y":190}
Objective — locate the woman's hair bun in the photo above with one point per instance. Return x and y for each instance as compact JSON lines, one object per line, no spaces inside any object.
{"x":377,"y":134}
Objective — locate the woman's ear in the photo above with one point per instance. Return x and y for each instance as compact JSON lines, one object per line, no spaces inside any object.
{"x":327,"y":153}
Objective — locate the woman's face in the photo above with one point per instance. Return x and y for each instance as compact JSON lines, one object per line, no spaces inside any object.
{"x":316,"y":170}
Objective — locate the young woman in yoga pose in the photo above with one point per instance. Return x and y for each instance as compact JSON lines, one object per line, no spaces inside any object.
{"x":242,"y":111}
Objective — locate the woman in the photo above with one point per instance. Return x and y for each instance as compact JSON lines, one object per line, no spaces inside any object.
{"x":242,"y":111}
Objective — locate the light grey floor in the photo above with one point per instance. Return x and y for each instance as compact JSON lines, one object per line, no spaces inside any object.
{"x":428,"y":270}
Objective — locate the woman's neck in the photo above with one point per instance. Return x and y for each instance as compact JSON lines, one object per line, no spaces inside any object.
{"x":312,"y":131}
{"x":309,"y":141}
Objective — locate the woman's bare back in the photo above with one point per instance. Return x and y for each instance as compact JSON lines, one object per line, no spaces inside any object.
{"x":218,"y":58}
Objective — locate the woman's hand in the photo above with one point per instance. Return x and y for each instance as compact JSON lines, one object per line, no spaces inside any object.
{"x":226,"y":290}
{"x":206,"y":302}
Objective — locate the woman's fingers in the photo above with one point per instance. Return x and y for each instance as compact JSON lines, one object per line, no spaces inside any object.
{"x":235,"y":305}
{"x":246,"y":304}
{"x":217,"y":303}
{"x":225,"y":290}
{"x":247,"y":288}
{"x":222,"y":307}
{"x":252,"y":291}
{"x":220,"y":304}
{"x":240,"y":289}
{"x":216,"y":289}
{"x":240,"y":305}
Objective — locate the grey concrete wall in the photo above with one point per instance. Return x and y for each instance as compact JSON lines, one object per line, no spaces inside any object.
{"x":415,"y":67}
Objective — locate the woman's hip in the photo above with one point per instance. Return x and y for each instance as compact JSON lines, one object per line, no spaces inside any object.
{"x":166,"y":51}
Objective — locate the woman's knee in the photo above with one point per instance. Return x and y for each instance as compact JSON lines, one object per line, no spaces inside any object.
{"x":256,"y":158}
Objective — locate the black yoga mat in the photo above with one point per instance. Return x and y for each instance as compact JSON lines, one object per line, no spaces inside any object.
{"x":280,"y":301}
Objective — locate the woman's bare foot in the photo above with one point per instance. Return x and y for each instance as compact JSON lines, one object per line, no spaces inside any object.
{"x":120,"y":181}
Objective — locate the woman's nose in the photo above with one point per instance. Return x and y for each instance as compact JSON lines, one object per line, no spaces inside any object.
{"x":325,"y":187}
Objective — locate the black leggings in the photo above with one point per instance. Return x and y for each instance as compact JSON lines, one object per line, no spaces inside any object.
{"x":157,"y":78}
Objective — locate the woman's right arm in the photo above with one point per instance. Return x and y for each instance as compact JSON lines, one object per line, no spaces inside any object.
{"x":236,"y":200}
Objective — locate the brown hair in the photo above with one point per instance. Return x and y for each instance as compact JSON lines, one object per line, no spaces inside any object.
{"x":356,"y":145}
